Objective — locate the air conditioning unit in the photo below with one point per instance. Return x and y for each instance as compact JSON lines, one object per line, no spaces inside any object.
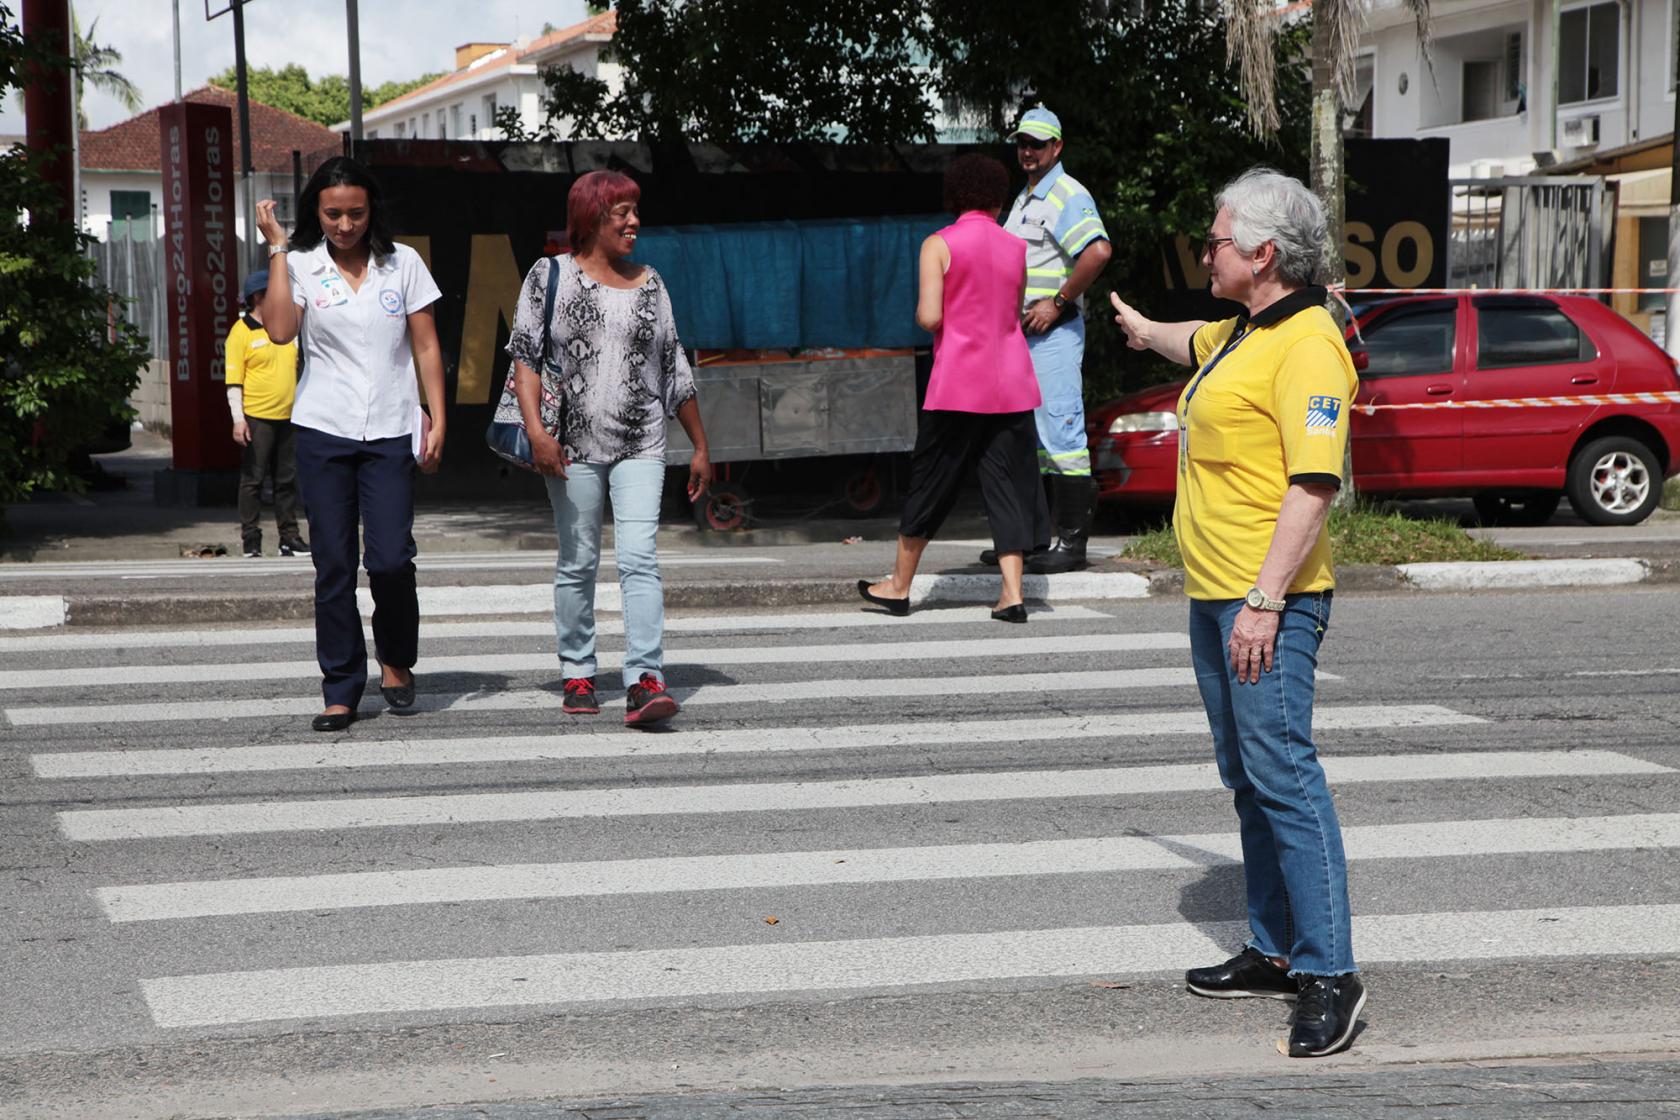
{"x":1579,"y":132}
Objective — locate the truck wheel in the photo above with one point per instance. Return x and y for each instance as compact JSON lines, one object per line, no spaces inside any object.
{"x":723,"y":508}
{"x":863,"y":493}
{"x":1517,"y":507}
{"x":1615,"y":481}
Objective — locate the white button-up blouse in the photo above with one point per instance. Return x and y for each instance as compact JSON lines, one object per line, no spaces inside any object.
{"x":357,"y":376}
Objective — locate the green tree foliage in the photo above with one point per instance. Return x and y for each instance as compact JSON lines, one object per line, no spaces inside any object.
{"x":324,"y":100}
{"x":752,"y":70}
{"x":66,"y":366}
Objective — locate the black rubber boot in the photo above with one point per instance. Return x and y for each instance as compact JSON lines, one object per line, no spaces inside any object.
{"x":1076,"y":504}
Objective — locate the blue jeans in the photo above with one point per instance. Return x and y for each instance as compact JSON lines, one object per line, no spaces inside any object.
{"x":635,"y":485}
{"x":1262,"y":740}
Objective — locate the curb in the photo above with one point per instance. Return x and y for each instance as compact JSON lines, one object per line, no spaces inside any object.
{"x":1119,"y":581}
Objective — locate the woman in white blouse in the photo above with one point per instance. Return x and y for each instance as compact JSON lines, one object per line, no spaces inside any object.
{"x":596,"y":419}
{"x":360,"y":306}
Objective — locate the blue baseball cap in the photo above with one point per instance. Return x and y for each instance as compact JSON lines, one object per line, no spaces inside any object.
{"x":256,"y":282}
{"x":1039,"y":123}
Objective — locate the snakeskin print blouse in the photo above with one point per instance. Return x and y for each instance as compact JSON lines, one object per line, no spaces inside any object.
{"x":614,"y":355}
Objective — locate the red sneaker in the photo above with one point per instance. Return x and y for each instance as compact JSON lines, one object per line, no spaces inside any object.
{"x":579,"y":697}
{"x":648,"y":702}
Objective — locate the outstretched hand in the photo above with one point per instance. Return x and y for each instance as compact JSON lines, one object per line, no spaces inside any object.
{"x":1130,"y":321}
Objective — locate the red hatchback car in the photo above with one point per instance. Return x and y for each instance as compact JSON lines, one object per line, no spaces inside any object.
{"x":1527,"y":399}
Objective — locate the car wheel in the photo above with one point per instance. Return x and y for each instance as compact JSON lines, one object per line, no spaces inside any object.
{"x":1615,"y":481}
{"x":1517,"y":507}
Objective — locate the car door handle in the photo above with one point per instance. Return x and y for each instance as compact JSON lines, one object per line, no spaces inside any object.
{"x":1439,"y":390}
{"x":1584,"y":379}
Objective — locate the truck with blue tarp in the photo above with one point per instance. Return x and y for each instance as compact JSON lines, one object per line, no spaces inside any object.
{"x":791,"y":269}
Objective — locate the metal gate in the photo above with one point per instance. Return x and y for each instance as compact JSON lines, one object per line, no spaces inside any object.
{"x":1543,"y":231}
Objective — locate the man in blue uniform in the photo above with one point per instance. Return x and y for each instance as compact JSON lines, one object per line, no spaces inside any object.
{"x":1067,"y":247}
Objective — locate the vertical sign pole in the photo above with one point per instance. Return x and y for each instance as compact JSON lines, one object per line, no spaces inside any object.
{"x":201,"y":286}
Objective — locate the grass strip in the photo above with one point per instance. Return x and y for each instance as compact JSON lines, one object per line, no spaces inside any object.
{"x":1362,"y":535}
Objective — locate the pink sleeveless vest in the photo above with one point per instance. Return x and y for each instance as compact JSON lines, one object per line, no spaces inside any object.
{"x":980,"y":359}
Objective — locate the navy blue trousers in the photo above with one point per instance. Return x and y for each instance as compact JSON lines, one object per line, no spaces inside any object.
{"x":345,"y":482}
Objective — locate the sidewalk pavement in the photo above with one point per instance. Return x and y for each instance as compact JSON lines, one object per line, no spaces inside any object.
{"x":114,"y":557}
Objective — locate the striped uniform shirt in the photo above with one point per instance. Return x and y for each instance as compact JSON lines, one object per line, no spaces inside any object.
{"x":1056,"y":219}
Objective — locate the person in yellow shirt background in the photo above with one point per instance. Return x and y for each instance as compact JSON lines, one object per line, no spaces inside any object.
{"x":261,"y":380}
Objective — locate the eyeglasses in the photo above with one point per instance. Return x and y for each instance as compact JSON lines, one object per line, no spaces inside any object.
{"x":1211,"y":244}
{"x":1029,"y":142}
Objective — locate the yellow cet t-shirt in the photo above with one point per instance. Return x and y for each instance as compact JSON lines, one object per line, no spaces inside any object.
{"x":1273,"y":410}
{"x":267,"y":370}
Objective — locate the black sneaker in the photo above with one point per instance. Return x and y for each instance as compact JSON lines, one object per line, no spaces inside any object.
{"x":1325,"y":1015}
{"x":252,"y":549}
{"x":579,"y":698}
{"x":646,"y":701}
{"x":1248,"y":974}
{"x":297,"y":546}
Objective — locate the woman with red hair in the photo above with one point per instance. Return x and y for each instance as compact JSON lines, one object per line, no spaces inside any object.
{"x":596,"y":417}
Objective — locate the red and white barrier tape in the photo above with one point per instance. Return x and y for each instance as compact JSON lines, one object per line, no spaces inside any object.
{"x":1509,"y":291}
{"x":1531,"y":402}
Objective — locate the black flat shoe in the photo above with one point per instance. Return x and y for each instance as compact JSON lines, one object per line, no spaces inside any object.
{"x":900,"y":607}
{"x":333,"y":721}
{"x":1016,"y":612}
{"x":397,"y":695}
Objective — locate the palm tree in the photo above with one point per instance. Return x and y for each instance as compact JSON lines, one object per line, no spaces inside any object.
{"x":96,"y":66}
{"x":1249,"y":26}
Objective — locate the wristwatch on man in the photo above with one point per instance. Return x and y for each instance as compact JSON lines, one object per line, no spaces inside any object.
{"x":1059,"y":300}
{"x":1260,"y":601}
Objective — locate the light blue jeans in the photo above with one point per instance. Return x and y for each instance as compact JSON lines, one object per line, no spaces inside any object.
{"x":1262,"y":739}
{"x":635,"y":485}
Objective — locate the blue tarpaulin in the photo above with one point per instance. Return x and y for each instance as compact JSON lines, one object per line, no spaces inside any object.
{"x":846,"y":283}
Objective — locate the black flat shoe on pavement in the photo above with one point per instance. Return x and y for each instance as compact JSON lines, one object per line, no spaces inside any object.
{"x":900,"y":607}
{"x":1249,"y":974}
{"x":1016,"y":612}
{"x":333,"y":721}
{"x":397,"y":695}
{"x":1325,"y":1015}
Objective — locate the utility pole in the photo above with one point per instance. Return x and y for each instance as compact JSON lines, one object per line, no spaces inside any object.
{"x":175,"y":12}
{"x":246,"y":187}
{"x":352,"y":25}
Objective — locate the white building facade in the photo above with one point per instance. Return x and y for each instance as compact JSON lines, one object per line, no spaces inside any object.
{"x":1517,"y":85}
{"x":489,"y":77}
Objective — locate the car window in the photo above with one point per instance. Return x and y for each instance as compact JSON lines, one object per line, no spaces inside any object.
{"x":1411,"y":340}
{"x":1531,"y":335}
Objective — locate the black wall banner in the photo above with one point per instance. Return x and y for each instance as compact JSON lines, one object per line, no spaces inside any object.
{"x":1395,"y":234}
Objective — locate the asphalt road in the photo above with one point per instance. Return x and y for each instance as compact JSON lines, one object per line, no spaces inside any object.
{"x":876,"y":861}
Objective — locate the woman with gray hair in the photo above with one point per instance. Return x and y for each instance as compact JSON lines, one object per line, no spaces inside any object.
{"x":1262,"y":427}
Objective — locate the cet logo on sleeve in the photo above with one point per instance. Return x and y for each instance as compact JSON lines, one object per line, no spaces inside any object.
{"x":1322,"y":413}
{"x":391,"y":300}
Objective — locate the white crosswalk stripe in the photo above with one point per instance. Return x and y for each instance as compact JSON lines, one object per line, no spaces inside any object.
{"x":828,"y":966}
{"x":430,"y":886}
{"x":384,"y":812}
{"x":633,"y":744}
{"x":976,"y":757}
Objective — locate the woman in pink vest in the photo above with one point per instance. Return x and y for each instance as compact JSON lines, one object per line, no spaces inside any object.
{"x":981,"y":396}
